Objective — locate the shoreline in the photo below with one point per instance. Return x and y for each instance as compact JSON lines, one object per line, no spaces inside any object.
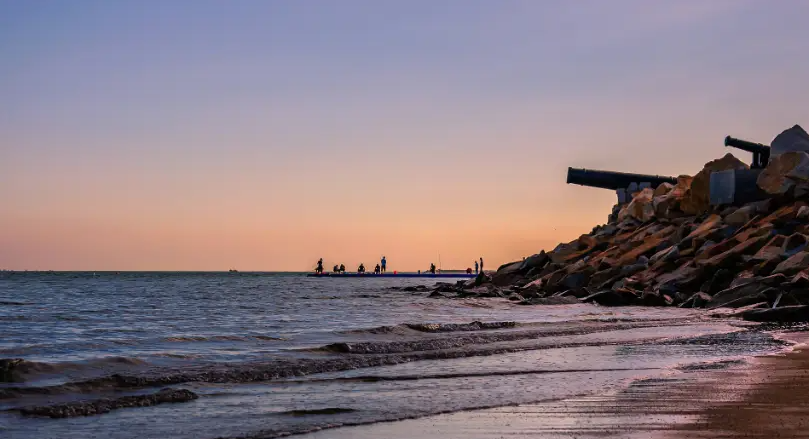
{"x":773,"y":399}
{"x":757,"y":397}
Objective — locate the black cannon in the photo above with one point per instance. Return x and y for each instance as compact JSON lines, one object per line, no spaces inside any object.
{"x":613,"y":180}
{"x":761,"y":153}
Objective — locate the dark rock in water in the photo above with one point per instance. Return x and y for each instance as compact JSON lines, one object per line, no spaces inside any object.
{"x":697,"y":300}
{"x":485,"y":290}
{"x":651,"y":299}
{"x":782,"y":298}
{"x":446,"y":288}
{"x":10,"y":370}
{"x":576,"y":292}
{"x":553,"y":300}
{"x":101,"y":406}
{"x":437,"y":295}
{"x":739,"y":296}
{"x":515,"y":297}
{"x":481,"y":279}
{"x":797,"y":313}
{"x":531,"y":292}
{"x":611,"y":298}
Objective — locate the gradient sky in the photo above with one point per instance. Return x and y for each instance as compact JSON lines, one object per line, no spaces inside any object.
{"x":261,"y":135}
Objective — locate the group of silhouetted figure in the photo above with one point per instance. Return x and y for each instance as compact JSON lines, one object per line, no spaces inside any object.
{"x":381,"y":267}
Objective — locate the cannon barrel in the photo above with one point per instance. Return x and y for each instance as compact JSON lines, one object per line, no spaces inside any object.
{"x":761,"y":153}
{"x":613,"y":180}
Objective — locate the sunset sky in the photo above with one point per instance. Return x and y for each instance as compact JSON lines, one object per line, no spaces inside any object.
{"x":262,"y":135}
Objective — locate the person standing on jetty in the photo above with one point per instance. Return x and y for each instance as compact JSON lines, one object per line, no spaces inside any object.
{"x":319,"y":269}
{"x":384,"y":264}
{"x":481,"y":265}
{"x":476,"y":267}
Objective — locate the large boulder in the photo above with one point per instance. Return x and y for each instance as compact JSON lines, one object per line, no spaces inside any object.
{"x":697,"y":197}
{"x":709,"y":226}
{"x":652,"y":299}
{"x":787,"y":172}
{"x":507,"y":274}
{"x":697,"y":300}
{"x":786,"y":314}
{"x":618,"y":297}
{"x":740,"y":216}
{"x":734,"y":297}
{"x":733,"y":256}
{"x":791,"y":139}
{"x":666,"y":202}
{"x":538,"y":260}
{"x":795,"y":263}
{"x":640,"y":208}
{"x":553,"y":300}
{"x":794,"y":243}
{"x":573,"y":250}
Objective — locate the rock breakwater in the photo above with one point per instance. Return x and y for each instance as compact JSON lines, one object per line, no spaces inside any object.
{"x":671,"y":246}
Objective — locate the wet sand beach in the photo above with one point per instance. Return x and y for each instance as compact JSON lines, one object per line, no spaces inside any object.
{"x":762,"y":397}
{"x":774,"y":399}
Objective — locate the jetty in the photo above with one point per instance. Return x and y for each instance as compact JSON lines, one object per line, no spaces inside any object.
{"x":393,"y":275}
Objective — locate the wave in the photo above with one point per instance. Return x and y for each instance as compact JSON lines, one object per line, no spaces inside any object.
{"x":14,"y":303}
{"x":712,"y":365}
{"x":480,"y":338}
{"x":445,"y":376}
{"x":323,"y":411}
{"x":453,"y":327}
{"x":271,"y":371}
{"x":101,"y":406}
{"x":18,"y":370}
{"x":435,"y":327}
{"x":202,"y":338}
{"x":387,"y":354}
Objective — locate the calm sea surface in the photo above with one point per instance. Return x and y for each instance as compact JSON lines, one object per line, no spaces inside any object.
{"x":277,"y":354}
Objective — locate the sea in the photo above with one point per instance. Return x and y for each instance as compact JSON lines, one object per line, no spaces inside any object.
{"x":279,"y":354}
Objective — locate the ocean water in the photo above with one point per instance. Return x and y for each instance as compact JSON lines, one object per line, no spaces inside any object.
{"x":276,"y":354}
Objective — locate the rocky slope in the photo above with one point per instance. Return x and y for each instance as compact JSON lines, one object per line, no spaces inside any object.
{"x":670,"y":247}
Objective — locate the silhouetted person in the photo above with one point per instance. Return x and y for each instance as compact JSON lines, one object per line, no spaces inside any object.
{"x":377,"y":269}
{"x":469,"y":270}
{"x":476,"y":267}
{"x":336,"y":269}
{"x":432,"y":268}
{"x":319,"y":269}
{"x":361,"y":268}
{"x":481,"y":265}
{"x":342,"y":268}
{"x":384,"y":264}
